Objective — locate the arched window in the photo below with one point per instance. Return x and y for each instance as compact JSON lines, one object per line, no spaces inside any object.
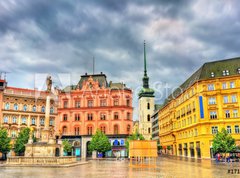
{"x":7,"y":106}
{"x":64,"y":130}
{"x":15,"y":106}
{"x":51,"y":122}
{"x":77,"y":131}
{"x":43,"y":109}
{"x":116,"y":130}
{"x":33,"y":121}
{"x":24,"y":120}
{"x":51,"y":110}
{"x":42,"y":121}
{"x":148,"y":117}
{"x":89,"y":130}
{"x":34,"y":109}
{"x":103,"y":129}
{"x":25,"y":107}
{"x":14,"y":120}
{"x":148,"y":106}
{"x":5,"y":119}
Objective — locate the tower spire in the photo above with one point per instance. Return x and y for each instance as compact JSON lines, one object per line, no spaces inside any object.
{"x":145,"y":60}
{"x":145,"y":77}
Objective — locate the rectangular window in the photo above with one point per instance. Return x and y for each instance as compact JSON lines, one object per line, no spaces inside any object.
{"x":232,"y":84}
{"x":115,"y":102}
{"x":235,"y":113}
{"x":213,"y":115}
{"x":103,"y":117}
{"x":65,"y":104}
{"x":227,"y":114}
{"x":225,"y":99}
{"x":229,"y":129}
{"x":224,"y":85}
{"x":103,"y":102}
{"x":115,"y":116}
{"x":77,"y":104}
{"x":236,"y":129}
{"x":128,"y":102}
{"x":196,"y":132}
{"x":234,"y":98}
{"x":90,"y":117}
{"x":65,"y":117}
{"x":90,"y":103}
{"x":77,"y":117}
{"x":212,"y":100}
{"x":128,"y":116}
{"x":214,"y":129}
{"x":210,"y":87}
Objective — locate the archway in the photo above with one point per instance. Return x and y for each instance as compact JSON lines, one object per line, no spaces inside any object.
{"x":57,"y":152}
{"x":88,"y":152}
{"x":77,"y":149}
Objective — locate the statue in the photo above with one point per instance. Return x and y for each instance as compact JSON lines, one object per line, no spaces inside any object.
{"x":49,"y":83}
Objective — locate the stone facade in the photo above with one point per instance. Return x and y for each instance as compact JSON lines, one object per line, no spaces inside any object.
{"x":22,"y":108}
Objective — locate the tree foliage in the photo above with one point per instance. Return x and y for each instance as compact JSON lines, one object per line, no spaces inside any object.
{"x":67,"y":147}
{"x":5,"y":145}
{"x":223,"y":142}
{"x":135,"y":136}
{"x":100,"y":143}
{"x":22,"y":139}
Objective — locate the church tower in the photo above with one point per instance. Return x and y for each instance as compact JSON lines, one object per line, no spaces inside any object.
{"x":145,"y":104}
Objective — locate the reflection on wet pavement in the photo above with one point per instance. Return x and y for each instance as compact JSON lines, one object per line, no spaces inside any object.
{"x":165,"y":167}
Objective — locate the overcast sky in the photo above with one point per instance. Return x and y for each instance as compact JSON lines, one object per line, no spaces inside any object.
{"x":42,"y":36}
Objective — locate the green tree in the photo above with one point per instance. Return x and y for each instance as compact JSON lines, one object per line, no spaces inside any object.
{"x":135,"y":136}
{"x":67,"y":147}
{"x":5,"y":145}
{"x":22,"y":139}
{"x":100,"y":142}
{"x":223,"y":142}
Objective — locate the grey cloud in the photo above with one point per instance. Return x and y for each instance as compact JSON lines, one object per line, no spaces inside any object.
{"x":63,"y":36}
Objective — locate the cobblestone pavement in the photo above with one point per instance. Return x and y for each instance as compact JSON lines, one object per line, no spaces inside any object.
{"x":164,"y":167}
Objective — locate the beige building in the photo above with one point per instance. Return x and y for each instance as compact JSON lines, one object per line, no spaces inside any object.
{"x":145,"y":105}
{"x":22,"y":108}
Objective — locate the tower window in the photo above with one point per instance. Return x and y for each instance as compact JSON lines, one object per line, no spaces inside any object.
{"x":148,"y":117}
{"x":148,"y":106}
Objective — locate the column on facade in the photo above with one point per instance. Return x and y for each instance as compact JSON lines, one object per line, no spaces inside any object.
{"x":29,"y":120}
{"x":19,"y":122}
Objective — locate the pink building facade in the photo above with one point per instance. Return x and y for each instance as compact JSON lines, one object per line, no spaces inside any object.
{"x":95,"y":104}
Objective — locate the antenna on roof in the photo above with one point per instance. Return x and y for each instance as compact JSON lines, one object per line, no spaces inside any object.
{"x":93,"y":64}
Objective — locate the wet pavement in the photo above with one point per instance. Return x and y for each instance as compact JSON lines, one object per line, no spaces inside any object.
{"x":164,"y":167}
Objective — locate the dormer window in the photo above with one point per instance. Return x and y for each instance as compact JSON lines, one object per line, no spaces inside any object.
{"x":238,"y":70}
{"x":225,"y":72}
{"x":212,"y":74}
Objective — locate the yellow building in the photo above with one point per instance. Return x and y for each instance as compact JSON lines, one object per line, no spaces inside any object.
{"x":204,"y":104}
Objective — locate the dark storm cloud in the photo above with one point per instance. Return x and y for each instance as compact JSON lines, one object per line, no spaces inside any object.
{"x":63,"y":36}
